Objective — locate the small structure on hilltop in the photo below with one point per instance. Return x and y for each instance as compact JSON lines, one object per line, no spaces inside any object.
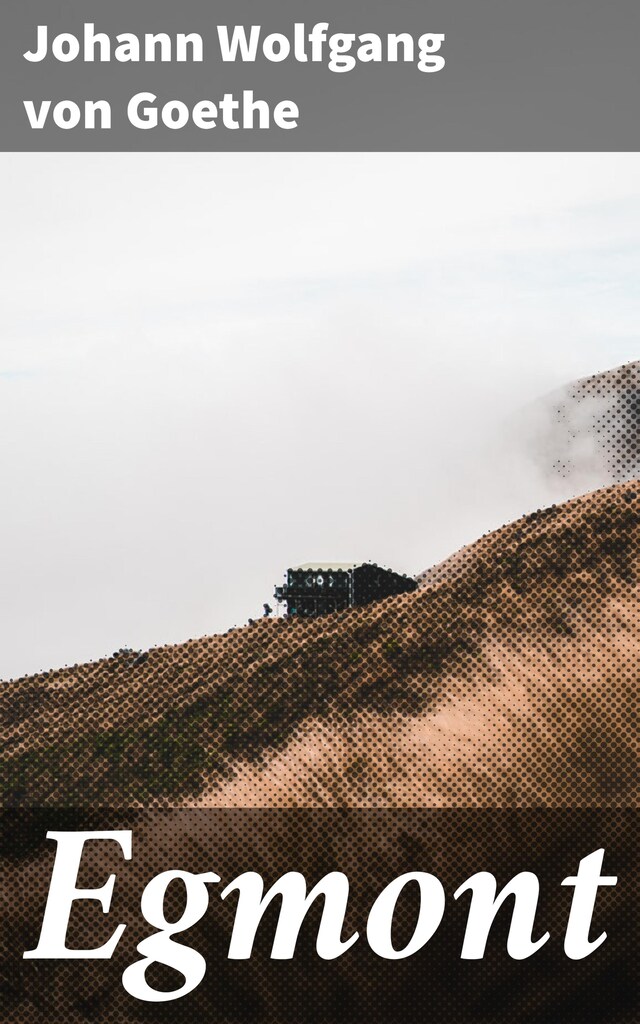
{"x":317,"y":588}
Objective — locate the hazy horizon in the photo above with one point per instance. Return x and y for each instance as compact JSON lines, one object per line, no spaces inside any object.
{"x":215,"y":366}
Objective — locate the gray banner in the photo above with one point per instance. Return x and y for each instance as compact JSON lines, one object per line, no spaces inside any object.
{"x":518,"y":75}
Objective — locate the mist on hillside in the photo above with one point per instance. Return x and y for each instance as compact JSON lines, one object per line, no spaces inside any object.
{"x":240,"y":389}
{"x":179,"y":517}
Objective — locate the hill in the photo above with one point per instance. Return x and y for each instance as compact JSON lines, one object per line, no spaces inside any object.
{"x":588,"y":432}
{"x":509,"y":677}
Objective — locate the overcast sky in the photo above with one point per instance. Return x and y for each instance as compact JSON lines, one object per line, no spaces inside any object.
{"x":216,"y":366}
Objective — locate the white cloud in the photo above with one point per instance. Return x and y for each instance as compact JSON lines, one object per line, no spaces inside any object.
{"x":214,"y":366}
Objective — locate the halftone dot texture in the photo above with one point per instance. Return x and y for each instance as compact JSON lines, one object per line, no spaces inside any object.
{"x":594,"y":428}
{"x":509,"y":681}
{"x":371,"y":848}
{"x":498,"y":702}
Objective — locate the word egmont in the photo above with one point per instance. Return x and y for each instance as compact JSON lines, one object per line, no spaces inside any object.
{"x":291,"y":888}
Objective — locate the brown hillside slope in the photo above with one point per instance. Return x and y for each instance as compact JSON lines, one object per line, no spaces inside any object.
{"x":512,"y":680}
{"x":540,"y":710}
